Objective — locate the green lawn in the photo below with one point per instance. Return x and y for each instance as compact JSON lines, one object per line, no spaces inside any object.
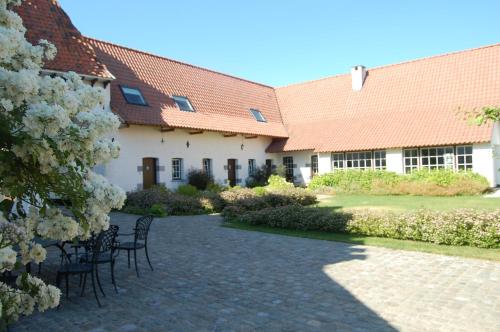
{"x":469,"y":252}
{"x":409,"y":202}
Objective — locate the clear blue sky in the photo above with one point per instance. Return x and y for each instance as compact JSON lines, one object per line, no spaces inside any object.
{"x":278,"y":42}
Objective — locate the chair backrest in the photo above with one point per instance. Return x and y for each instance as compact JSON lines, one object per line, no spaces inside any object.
{"x":142,"y":227}
{"x":108,"y":239}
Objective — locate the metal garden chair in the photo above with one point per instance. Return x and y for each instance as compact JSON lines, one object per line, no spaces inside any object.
{"x":140,"y":234}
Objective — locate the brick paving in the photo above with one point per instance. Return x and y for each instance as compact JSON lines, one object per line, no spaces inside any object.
{"x":211,"y":278}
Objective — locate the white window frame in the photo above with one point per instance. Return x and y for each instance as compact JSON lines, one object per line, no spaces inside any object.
{"x":414,"y":160}
{"x":177,"y":169}
{"x":466,"y":166}
{"x":314,"y":164}
{"x":337,"y":163}
{"x":252,"y":166}
{"x":381,"y":160}
{"x":207,"y":166}
{"x":359,"y":160}
{"x":433,"y":154}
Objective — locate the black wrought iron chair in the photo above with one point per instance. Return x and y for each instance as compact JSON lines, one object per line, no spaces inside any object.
{"x":106,"y":255}
{"x":83,"y":267}
{"x":141,"y":231}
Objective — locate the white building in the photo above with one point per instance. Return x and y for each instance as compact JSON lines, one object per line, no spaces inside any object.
{"x":177,"y":116}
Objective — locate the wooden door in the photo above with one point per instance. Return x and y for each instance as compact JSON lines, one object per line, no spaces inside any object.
{"x":148,"y":172}
{"x":231,"y":172}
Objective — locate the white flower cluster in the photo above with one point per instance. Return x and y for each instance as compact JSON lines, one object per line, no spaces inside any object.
{"x":58,"y":133}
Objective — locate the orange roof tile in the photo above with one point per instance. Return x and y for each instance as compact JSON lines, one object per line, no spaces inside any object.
{"x":414,"y":103}
{"x":45,"y":19}
{"x":222,"y":102}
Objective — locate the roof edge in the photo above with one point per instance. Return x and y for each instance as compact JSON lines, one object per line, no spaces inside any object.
{"x":177,"y":61}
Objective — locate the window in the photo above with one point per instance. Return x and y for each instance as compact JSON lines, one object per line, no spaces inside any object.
{"x":258,"y":115}
{"x":177,"y":169}
{"x":183,"y":103}
{"x":359,"y":160}
{"x":314,"y":165}
{"x":288,"y":163}
{"x":251,"y":167}
{"x":133,"y":96}
{"x":207,"y":167}
{"x":436,"y":158}
{"x":337,"y":161}
{"x":410,"y":159}
{"x":464,"y":157}
{"x":379,"y":159}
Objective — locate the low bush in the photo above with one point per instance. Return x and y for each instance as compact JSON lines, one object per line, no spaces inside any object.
{"x":422,"y":182}
{"x":466,"y":227}
{"x":144,"y":199}
{"x":158,"y":210}
{"x":258,"y":178}
{"x":215,"y":187}
{"x":199,"y":179}
{"x":278,"y":182}
{"x":187,"y":190}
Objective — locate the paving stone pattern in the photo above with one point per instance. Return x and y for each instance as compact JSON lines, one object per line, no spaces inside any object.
{"x":212,"y":278}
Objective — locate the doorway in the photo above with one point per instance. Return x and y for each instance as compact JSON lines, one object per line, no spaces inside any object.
{"x":231,"y":172}
{"x":149,"y":178}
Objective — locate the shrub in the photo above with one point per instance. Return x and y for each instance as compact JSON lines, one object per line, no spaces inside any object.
{"x":258,"y":178}
{"x":146,"y":198}
{"x":211,"y":202}
{"x":458,"y":227}
{"x":187,"y":190}
{"x":157,"y":210}
{"x":278,"y":182}
{"x":259,"y":191}
{"x":423,"y":182}
{"x":199,"y":179}
{"x":215,"y":187}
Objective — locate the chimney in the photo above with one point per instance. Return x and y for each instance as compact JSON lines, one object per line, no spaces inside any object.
{"x":358,"y":75}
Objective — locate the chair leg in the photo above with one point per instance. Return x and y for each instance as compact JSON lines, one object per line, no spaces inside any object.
{"x":98,"y":280}
{"x":128,"y":255}
{"x":135,"y":261}
{"x":66,"y":278}
{"x":147,"y":257}
{"x":113,"y":275}
{"x":95,"y":290}
{"x":83,"y":283}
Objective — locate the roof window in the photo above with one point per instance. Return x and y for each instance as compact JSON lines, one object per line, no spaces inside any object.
{"x":183,"y":103}
{"x":258,"y":115}
{"x":133,"y":96}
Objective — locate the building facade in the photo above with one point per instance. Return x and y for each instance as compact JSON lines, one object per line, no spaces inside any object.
{"x":177,"y":117}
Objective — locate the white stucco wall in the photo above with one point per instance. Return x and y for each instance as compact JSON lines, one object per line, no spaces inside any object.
{"x":394,"y":160}
{"x":496,"y":151}
{"x":302,"y":160}
{"x":138,"y":142}
{"x":324,"y":162}
{"x":483,"y":163}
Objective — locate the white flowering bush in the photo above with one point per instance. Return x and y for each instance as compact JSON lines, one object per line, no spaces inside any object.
{"x":53,"y":132}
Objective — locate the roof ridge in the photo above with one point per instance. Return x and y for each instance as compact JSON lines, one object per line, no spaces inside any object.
{"x":177,"y":61}
{"x":394,"y":64}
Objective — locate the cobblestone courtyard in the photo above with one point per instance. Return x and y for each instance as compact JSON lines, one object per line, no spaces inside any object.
{"x":211,"y":278}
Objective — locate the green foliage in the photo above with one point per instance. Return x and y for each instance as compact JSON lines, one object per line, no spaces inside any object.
{"x":278,"y":182}
{"x":280,"y":170}
{"x":422,"y":182}
{"x":187,"y":190}
{"x":486,"y":114}
{"x":157,"y":210}
{"x":465,"y":227}
{"x":259,"y":191}
{"x":258,"y":178}
{"x":199,"y":179}
{"x":215,"y":187}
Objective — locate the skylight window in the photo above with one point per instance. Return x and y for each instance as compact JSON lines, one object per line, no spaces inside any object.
{"x":183,"y":103}
{"x":258,"y":115}
{"x":133,"y":96}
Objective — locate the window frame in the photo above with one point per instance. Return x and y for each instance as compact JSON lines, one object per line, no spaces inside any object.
{"x":207,"y":166}
{"x":289,"y":173}
{"x":124,"y":94}
{"x":464,"y":155}
{"x":412,"y":167}
{"x":359,"y":161}
{"x":314,"y":165}
{"x":186,"y":99}
{"x":252,"y":167}
{"x":437,"y":156}
{"x":260,"y":117}
{"x":180,"y":171}
{"x":382,"y":159}
{"x":333,"y":160}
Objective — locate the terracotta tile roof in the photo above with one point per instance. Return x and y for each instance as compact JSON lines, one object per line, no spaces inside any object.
{"x":408,"y":104}
{"x":222,"y":102}
{"x":45,"y":19}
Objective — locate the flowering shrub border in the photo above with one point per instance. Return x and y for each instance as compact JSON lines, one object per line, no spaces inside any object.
{"x":461,"y":227}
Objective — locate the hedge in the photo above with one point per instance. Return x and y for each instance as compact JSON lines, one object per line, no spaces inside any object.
{"x":422,"y":182}
{"x":464,"y":227}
